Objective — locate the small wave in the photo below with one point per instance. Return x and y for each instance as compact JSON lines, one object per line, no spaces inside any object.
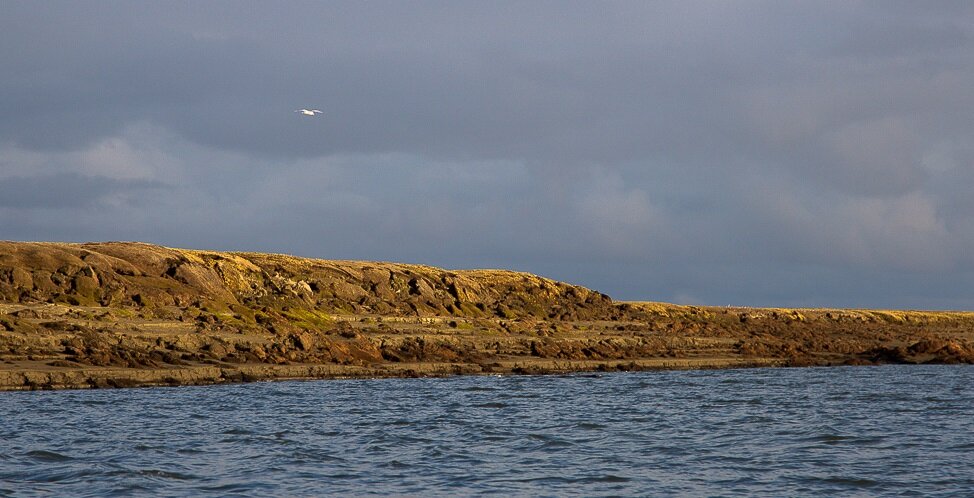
{"x":47,"y":456}
{"x":840,"y":439}
{"x":550,"y":442}
{"x":237,"y":431}
{"x":731,"y":381}
{"x":589,"y":426}
{"x":850,"y":482}
{"x":165,"y":475}
{"x":491,"y":405}
{"x":190,"y":451}
{"x":831,"y":438}
{"x":248,"y":488}
{"x":315,"y":456}
{"x":604,"y":478}
{"x":129,"y":489}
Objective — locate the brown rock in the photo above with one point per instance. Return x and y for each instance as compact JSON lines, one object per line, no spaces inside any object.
{"x":85,"y":285}
{"x":22,"y":279}
{"x":421,"y":287}
{"x":350,"y":292}
{"x":305,"y":341}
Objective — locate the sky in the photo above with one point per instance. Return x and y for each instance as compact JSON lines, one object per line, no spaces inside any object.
{"x":813,"y":154}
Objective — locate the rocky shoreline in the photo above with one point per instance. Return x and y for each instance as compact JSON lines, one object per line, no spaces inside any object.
{"x":131,"y":314}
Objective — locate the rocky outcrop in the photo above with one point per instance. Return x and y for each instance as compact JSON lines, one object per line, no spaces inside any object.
{"x":121,"y":314}
{"x":146,"y":276}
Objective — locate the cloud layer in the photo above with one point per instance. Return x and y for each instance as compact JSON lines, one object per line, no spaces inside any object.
{"x":746,"y":153}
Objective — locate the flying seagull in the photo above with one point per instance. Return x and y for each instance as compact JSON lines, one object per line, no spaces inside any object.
{"x":308,"y":112}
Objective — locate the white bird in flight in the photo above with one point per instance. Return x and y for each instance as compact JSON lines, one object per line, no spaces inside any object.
{"x":308,"y":112}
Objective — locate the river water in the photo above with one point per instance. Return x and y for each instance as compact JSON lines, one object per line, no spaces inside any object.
{"x":892,"y":430}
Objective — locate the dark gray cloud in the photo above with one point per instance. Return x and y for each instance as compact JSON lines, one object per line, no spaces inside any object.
{"x":748,"y":153}
{"x":68,"y":190}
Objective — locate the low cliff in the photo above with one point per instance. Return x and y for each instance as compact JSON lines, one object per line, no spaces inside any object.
{"x":76,"y":315}
{"x":135,"y":275}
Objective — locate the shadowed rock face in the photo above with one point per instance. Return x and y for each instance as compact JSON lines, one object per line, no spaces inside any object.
{"x":120,"y":314}
{"x":118,"y":274}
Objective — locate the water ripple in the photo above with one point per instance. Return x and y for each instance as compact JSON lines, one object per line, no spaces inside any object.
{"x":898,"y":430}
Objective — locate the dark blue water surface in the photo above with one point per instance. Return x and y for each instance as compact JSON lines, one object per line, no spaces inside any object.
{"x":895,"y":430}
